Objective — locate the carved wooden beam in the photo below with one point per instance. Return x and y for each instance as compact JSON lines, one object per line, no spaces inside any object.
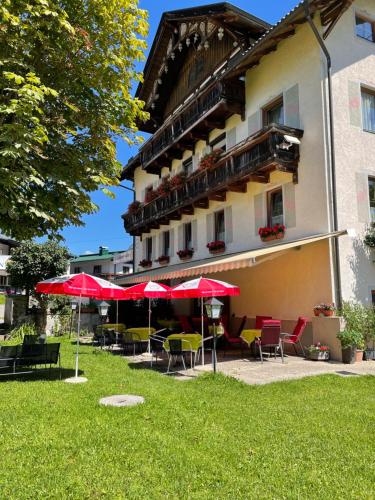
{"x":238,"y":188}
{"x":203,"y":203}
{"x":218,"y":196}
{"x":188,"y":210}
{"x":175,"y":216}
{"x":262,"y":179}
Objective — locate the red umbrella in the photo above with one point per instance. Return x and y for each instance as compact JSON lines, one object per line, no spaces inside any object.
{"x":149,"y":290}
{"x":204,"y":287}
{"x":80,"y":285}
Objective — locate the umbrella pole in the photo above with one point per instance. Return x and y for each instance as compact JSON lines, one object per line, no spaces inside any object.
{"x":149,"y":326}
{"x":78,"y":333}
{"x":202,"y":329}
{"x":116,"y":322}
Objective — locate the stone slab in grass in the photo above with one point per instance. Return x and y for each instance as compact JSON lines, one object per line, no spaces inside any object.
{"x":122,"y":400}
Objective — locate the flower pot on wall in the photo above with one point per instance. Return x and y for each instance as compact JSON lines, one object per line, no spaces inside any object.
{"x":319,"y":356}
{"x":217,"y":250}
{"x":268,"y":238}
{"x":349,"y":355}
{"x":328,"y":313}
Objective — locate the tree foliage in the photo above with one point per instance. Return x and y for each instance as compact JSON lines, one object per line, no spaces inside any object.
{"x":66,"y":70}
{"x":32,"y":262}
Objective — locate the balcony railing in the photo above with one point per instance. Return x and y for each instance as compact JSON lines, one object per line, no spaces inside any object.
{"x":229,"y":95}
{"x":253,"y":159}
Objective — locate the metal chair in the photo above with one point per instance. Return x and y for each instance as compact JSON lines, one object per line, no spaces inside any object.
{"x":176,"y":351}
{"x":295,"y":337}
{"x":128,"y":340}
{"x":271,"y":337}
{"x":156,"y":347}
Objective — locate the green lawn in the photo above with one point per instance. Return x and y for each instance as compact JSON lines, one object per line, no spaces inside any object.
{"x":209,"y":438}
{"x":2,"y":299}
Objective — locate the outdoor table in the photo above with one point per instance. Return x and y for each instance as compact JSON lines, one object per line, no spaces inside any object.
{"x":171,"y":324}
{"x":250,"y":335}
{"x":142,"y":334}
{"x":194,"y":341}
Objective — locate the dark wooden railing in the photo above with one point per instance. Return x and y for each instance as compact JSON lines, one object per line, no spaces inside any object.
{"x":261,"y":153}
{"x":185,"y":120}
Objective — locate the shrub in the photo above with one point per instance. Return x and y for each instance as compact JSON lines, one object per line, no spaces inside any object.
{"x":369,"y":239}
{"x":351,"y":338}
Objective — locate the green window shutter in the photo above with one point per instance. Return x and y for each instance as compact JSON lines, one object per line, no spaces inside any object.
{"x":363,"y":202}
{"x":231,"y":137}
{"x":171,"y":243}
{"x":259,"y":217}
{"x":289,"y":195}
{"x":228,"y":225}
{"x":180,"y":237}
{"x":194,"y":234}
{"x":210,"y":227}
{"x":355,"y":104}
{"x":291,"y":107}
{"x":253,"y":123}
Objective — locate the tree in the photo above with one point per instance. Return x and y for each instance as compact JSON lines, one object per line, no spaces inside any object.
{"x":66,"y":71}
{"x":32,"y":262}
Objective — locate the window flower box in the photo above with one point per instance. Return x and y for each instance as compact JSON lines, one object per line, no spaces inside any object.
{"x":177,"y":181}
{"x":150,"y":196}
{"x":163,"y":260}
{"x":318,"y":352}
{"x":185,"y":254}
{"x":276,"y":232}
{"x":164,"y":187}
{"x":216,"y":247}
{"x":145,"y":263}
{"x":209,"y":160}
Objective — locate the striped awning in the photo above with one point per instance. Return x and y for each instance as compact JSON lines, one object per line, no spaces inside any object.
{"x":223,"y":263}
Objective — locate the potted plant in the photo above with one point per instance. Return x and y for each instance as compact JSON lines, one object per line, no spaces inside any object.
{"x":216,"y":247}
{"x":186,"y":254}
{"x":324,"y":309}
{"x":164,"y":187}
{"x":151,"y":194}
{"x":163,"y":260}
{"x":177,"y":181}
{"x":134,"y":207}
{"x":362,"y":319}
{"x":209,"y":160}
{"x":272,"y":233}
{"x":145,"y":263}
{"x":351,"y":341}
{"x":318,"y":352}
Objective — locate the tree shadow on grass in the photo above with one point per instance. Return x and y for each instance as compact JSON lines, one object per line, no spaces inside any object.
{"x":36,"y":374}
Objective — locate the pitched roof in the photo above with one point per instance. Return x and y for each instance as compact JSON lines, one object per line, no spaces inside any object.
{"x":95,"y":256}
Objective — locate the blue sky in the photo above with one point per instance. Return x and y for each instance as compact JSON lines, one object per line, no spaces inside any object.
{"x":105,"y":227}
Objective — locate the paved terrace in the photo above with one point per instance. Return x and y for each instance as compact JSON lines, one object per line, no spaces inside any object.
{"x":253,"y":372}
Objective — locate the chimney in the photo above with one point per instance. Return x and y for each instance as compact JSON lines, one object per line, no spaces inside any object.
{"x":103,"y":250}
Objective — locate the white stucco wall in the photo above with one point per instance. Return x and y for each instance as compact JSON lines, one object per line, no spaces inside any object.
{"x":297,"y":61}
{"x":353,"y":64}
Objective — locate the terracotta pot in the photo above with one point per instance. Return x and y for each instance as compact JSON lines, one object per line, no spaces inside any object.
{"x":358,"y":356}
{"x":217,"y":250}
{"x":328,"y":313}
{"x":188,"y":257}
{"x":317,"y":312}
{"x":163,"y":262}
{"x":268,"y":238}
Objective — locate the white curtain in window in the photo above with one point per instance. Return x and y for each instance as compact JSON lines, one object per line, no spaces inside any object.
{"x":368,"y":105}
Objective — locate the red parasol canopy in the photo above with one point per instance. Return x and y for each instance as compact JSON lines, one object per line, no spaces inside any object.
{"x":81,"y":285}
{"x":148,"y":290}
{"x":204,"y":287}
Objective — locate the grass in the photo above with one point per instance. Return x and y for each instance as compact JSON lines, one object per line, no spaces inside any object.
{"x":209,"y":438}
{"x":2,"y":299}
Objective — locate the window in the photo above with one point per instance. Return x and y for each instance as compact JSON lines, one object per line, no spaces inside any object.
{"x":125,"y":269}
{"x":365,"y":28}
{"x":219,"y":226}
{"x":166,"y":243}
{"x":3,"y":280}
{"x":77,"y":270}
{"x":148,"y":255}
{"x":187,"y":166}
{"x":274,"y":112}
{"x":368,"y":110}
{"x":97,"y":269}
{"x":373,"y":297}
{"x":371,"y":190}
{"x":275,"y":209}
{"x":219,"y":142}
{"x":188,"y":241}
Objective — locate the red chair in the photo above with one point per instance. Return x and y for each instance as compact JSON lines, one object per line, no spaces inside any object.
{"x":233,"y":341}
{"x":259,"y":321}
{"x":295,"y":337}
{"x":271,"y":337}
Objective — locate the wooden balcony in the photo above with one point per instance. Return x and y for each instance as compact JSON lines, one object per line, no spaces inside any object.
{"x":194,"y":121}
{"x":250,"y":160}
